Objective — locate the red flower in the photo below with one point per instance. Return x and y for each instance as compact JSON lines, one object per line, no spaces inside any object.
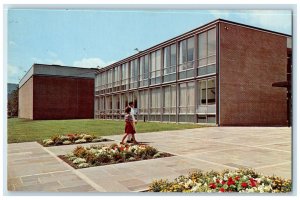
{"x":217,"y":181}
{"x":244,"y":184}
{"x":230,"y":182}
{"x":121,"y":148}
{"x":212,"y":186}
{"x":222,"y":190}
{"x":223,"y":182}
{"x":237,"y":178}
{"x":252,"y":182}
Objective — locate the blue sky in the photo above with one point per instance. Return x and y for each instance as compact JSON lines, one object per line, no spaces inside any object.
{"x":90,"y":38}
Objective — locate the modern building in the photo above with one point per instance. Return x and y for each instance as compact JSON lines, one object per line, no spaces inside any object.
{"x":220,"y":73}
{"x":57,"y":92}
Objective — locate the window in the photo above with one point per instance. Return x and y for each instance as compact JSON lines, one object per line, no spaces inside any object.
{"x":102,"y":106}
{"x":125,"y":77}
{"x":143,"y":102}
{"x":116,"y":106}
{"x":170,"y":63}
{"x":117,"y":77}
{"x":169,"y":103}
{"x":186,"y":58}
{"x":211,"y":92}
{"x":207,"y":96}
{"x":155,"y":74}
{"x":144,"y":71}
{"x":124,"y":102}
{"x":133,"y":73}
{"x":109,"y":80}
{"x":108,"y":104}
{"x":96,"y":106}
{"x":207,"y":52}
{"x":155,"y":101}
{"x":103,"y":77}
{"x":187,"y":97}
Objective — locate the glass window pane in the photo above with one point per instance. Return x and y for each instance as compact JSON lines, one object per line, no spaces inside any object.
{"x":202,"y":92}
{"x":142,"y":61}
{"x":191,"y":94}
{"x":211,"y":90}
{"x":190,"y":50}
{"x":167,"y":97}
{"x":173,"y":55}
{"x":182,"y":97}
{"x":182,"y":52}
{"x":211,"y":42}
{"x":152,"y":63}
{"x":202,"y":45}
{"x":158,"y":60}
{"x":166,"y":57}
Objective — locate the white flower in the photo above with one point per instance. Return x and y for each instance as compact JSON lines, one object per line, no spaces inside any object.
{"x":250,"y":189}
{"x":79,"y":160}
{"x":196,"y":187}
{"x":258,"y":180}
{"x":188,"y":183}
{"x":268,"y":188}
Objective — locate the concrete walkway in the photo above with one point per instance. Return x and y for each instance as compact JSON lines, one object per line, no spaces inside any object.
{"x":32,"y":167}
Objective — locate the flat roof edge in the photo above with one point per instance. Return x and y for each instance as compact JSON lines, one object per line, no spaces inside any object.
{"x":183,"y":35}
{"x":34,"y":70}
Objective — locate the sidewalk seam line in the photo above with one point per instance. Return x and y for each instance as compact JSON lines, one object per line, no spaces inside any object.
{"x":79,"y":174}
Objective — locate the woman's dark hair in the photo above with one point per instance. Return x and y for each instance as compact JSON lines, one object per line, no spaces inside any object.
{"x":130,"y":103}
{"x":127,"y":110}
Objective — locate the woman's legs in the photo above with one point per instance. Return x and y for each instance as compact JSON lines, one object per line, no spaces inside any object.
{"x":134,"y":140}
{"x":125,"y":135}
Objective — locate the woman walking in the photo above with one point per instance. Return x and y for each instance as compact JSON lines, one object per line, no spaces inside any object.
{"x":129,"y":126}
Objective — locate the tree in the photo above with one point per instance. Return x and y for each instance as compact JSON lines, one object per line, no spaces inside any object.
{"x":13,"y":103}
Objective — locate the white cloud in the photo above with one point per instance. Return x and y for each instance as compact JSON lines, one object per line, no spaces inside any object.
{"x":47,"y":61}
{"x":14,"y":73}
{"x":91,"y":63}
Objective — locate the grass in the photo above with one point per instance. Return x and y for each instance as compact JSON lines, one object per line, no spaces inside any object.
{"x":22,"y":130}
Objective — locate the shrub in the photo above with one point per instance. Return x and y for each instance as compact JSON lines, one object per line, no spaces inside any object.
{"x":150,"y":151}
{"x":103,"y":158}
{"x":87,"y":138}
{"x":56,"y":139}
{"x":80,"y":141}
{"x":91,"y":158}
{"x":80,"y":151}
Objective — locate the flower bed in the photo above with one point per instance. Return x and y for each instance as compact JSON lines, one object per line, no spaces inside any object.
{"x":82,"y":157}
{"x":242,"y":180}
{"x":72,"y":139}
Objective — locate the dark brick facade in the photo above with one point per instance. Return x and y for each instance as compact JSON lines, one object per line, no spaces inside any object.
{"x":62,"y":98}
{"x":250,"y":61}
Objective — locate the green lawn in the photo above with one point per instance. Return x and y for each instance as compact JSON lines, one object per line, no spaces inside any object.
{"x":21,"y":130}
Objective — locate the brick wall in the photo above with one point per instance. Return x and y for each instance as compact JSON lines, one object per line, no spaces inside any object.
{"x":250,"y":61}
{"x":26,"y":100}
{"x":63,"y":98}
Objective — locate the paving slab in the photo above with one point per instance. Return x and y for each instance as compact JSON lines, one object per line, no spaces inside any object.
{"x":265,"y":149}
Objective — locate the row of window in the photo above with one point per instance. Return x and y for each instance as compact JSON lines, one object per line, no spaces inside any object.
{"x":160,"y":66}
{"x":163,"y":100}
